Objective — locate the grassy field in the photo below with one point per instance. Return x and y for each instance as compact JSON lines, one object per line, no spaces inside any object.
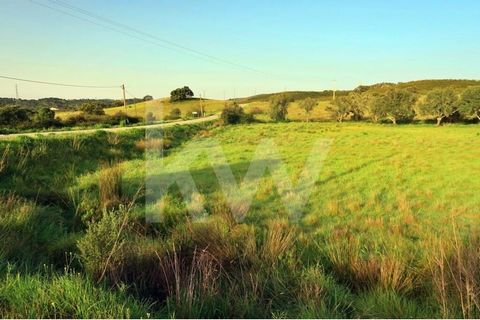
{"x":162,"y":107}
{"x":390,"y":229}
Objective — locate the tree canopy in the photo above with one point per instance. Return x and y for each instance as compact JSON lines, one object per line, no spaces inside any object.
{"x":308,"y":105}
{"x":279,"y":107}
{"x":180,"y":94}
{"x":394,"y":105}
{"x":469,"y":105}
{"x":440,"y":103}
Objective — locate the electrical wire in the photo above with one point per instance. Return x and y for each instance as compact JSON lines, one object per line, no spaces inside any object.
{"x":59,"y":84}
{"x":171,"y":44}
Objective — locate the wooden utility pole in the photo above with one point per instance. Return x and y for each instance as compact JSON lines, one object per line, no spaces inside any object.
{"x":16,"y":91}
{"x":334,"y":88}
{"x":124,"y":99}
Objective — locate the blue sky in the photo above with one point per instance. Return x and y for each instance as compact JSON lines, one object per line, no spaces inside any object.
{"x":299,"y":45}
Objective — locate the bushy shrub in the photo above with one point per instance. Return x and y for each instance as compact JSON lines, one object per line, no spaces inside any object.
{"x":234,"y":114}
{"x":174,"y":114}
{"x":102,"y":247}
{"x":279,"y":107}
{"x":92,"y":109}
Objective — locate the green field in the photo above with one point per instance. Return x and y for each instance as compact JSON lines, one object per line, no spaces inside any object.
{"x":389,"y":229}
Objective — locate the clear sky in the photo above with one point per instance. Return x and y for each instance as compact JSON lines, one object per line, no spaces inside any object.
{"x":299,"y":45}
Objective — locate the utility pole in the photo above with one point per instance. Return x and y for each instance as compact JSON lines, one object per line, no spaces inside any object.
{"x":334,"y":89}
{"x":16,"y":92}
{"x":201,"y":106}
{"x":124,"y":99}
{"x":124,"y":103}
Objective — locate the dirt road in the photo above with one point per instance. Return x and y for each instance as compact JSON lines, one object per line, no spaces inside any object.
{"x":119,"y":129}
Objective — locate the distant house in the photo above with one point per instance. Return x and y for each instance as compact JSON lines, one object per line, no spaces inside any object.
{"x":147,"y":98}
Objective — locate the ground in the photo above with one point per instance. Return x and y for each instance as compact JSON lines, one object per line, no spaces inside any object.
{"x":388,"y":205}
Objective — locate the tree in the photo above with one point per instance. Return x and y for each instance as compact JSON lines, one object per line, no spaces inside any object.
{"x":147,"y":98}
{"x":180,"y":94}
{"x":175,"y":113}
{"x":440,"y":104}
{"x":234,"y":114}
{"x":44,"y":116}
{"x":308,"y":105}
{"x":279,"y":107}
{"x":11,"y":116}
{"x":394,"y":105}
{"x":92,"y":108}
{"x":469,"y":105}
{"x":351,"y":106}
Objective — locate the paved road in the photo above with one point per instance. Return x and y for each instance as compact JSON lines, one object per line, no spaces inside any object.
{"x":85,"y":131}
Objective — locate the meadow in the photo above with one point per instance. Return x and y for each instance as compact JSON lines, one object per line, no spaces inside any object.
{"x":390,"y":228}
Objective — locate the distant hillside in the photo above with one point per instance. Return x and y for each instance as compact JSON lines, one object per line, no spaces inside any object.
{"x":293,"y":95}
{"x":421,"y":86}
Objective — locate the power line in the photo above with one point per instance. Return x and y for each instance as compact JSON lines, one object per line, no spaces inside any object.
{"x":59,"y":84}
{"x":171,"y":44}
{"x":96,"y":23}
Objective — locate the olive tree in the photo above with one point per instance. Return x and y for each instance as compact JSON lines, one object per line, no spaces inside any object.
{"x":344,"y":107}
{"x":308,"y":105}
{"x":279,"y":107}
{"x":394,"y":105}
{"x":440,"y":104}
{"x":469,"y":105}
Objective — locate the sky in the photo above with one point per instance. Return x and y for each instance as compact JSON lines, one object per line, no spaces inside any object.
{"x":290,"y":45}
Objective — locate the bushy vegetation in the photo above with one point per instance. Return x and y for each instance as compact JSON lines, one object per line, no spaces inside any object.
{"x":180,"y":94}
{"x":234,"y":114}
{"x":279,"y":107}
{"x":174,"y":114}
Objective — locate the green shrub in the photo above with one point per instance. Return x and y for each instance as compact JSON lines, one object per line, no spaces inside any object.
{"x":234,"y":114}
{"x":102,"y":247}
{"x":174,"y":114}
{"x":279,"y":107}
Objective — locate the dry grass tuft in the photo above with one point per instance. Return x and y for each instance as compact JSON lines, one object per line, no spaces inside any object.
{"x":455,"y":273}
{"x":110,"y":187}
{"x":153,"y":144}
{"x":370,"y":270}
{"x":280,"y":238}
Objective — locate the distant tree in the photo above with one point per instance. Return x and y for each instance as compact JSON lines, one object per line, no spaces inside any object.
{"x":175,"y":113}
{"x":12,"y":116}
{"x":180,"y":94}
{"x":395,"y":105}
{"x":44,"y":117}
{"x":147,"y":98}
{"x":351,"y":106}
{"x":440,"y":104}
{"x":279,"y":107}
{"x":149,"y":117}
{"x":234,"y":114}
{"x":308,"y":105}
{"x":92,"y":108}
{"x":469,"y":105}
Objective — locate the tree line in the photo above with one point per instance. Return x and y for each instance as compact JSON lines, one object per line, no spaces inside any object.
{"x":395,"y":105}
{"x":402,"y":105}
